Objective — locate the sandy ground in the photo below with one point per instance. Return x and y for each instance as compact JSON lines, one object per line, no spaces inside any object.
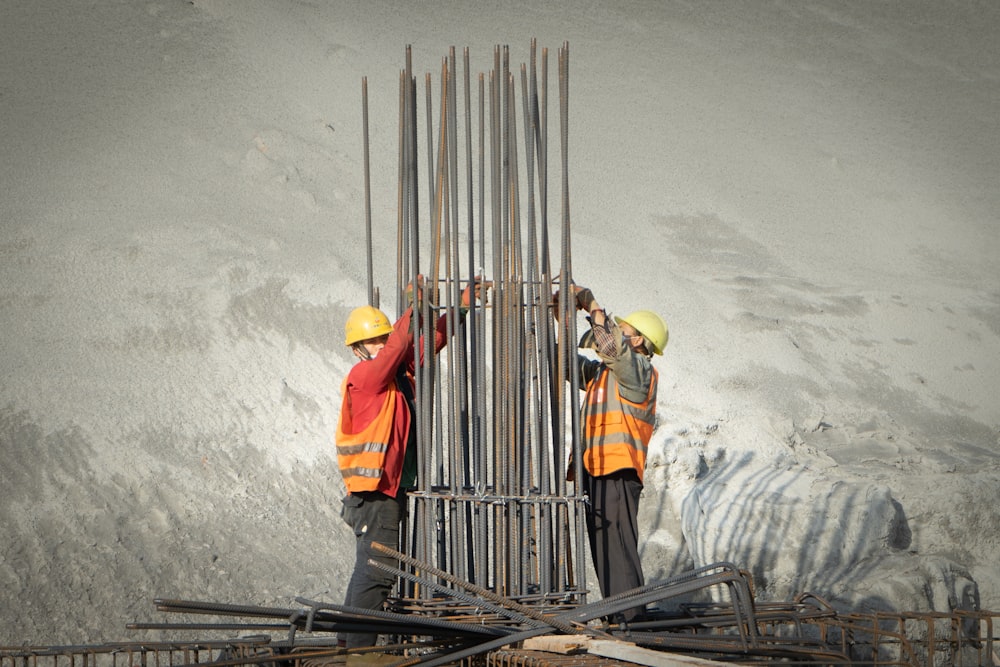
{"x":805,"y":190}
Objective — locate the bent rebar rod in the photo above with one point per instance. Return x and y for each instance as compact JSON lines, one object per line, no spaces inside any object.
{"x":407,"y":620}
{"x":687,"y":582}
{"x":478,"y":602}
{"x":550,"y":620}
{"x":683,"y":584}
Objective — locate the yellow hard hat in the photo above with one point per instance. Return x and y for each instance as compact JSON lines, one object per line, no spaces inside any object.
{"x":651,"y":326}
{"x":365,"y":322}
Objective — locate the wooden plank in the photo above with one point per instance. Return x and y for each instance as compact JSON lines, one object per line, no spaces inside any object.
{"x":628,"y":652}
{"x":563,"y":644}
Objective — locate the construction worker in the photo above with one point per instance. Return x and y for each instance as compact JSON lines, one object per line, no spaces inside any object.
{"x":617,"y":420}
{"x":376,"y":443}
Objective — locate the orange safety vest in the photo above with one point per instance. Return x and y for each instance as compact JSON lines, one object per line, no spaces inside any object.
{"x":616,"y":432}
{"x":361,"y":454}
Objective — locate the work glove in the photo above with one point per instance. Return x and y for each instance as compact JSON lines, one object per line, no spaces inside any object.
{"x":419,"y":302}
{"x":478,"y":290}
{"x":574,"y":300}
{"x":584,"y":298}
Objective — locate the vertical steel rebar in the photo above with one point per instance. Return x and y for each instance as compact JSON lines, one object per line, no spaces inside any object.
{"x":440,"y":209}
{"x":569,"y":313}
{"x":372,"y":301}
{"x":402,"y":202}
{"x":478,"y":352}
{"x":499,"y":468}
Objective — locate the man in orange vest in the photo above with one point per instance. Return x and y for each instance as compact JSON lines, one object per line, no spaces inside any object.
{"x":617,"y":421}
{"x":376,"y":443}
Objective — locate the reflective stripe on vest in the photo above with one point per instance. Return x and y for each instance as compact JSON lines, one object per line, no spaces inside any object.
{"x":361,"y":455}
{"x":616,"y":431}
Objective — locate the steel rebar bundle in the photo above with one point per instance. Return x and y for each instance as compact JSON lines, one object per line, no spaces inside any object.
{"x":496,"y":410}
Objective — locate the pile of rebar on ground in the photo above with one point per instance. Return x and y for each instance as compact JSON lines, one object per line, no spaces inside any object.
{"x":473,"y":626}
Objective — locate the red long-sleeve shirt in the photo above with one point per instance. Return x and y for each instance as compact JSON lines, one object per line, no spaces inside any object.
{"x":370,"y":379}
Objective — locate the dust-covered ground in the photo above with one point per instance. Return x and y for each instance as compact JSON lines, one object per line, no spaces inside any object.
{"x":807,"y":191}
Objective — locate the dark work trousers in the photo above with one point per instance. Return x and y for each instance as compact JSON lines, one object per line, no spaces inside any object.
{"x":613,"y":529}
{"x":374,"y":517}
